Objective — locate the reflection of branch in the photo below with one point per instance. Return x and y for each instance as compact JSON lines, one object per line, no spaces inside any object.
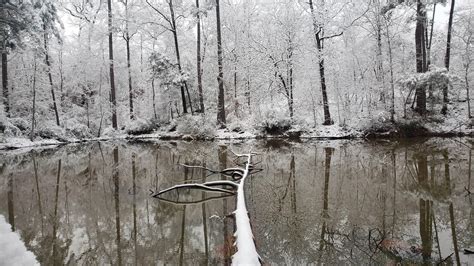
{"x":196,"y":201}
{"x":204,"y":186}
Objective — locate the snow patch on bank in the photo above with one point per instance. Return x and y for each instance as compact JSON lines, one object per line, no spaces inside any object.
{"x":12,"y":248}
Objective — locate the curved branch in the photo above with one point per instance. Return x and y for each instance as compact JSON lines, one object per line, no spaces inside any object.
{"x":196,"y":186}
{"x":194,"y":202}
{"x":161,"y":13}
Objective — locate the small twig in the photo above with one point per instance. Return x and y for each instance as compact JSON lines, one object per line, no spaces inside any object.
{"x":468,"y":191}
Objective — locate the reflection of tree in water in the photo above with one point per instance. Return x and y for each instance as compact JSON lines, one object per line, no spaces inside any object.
{"x":288,"y":228}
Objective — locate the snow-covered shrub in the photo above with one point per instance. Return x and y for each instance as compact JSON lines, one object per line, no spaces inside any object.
{"x":273,"y":123}
{"x":200,"y":126}
{"x":141,"y":126}
{"x":110,"y":132}
{"x":378,"y":124}
{"x":21,"y":124}
{"x":8,"y":129}
{"x":435,"y":80}
{"x":76,"y":129}
{"x":49,"y":130}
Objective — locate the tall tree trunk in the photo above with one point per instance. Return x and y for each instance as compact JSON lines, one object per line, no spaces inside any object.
{"x":6,"y":103}
{"x":154,"y":97}
{"x":50,"y":76}
{"x":392,"y":81}
{"x":198,"y":59}
{"x":115,"y":178}
{"x":420,"y":43}
{"x":221,"y":121}
{"x":130,"y":88}
{"x":127,"y":39}
{"x":178,"y":59}
{"x":379,"y":71}
{"x":113,"y":99}
{"x":444,"y":110}
{"x":322,"y":76}
{"x":468,"y":97}
{"x":33,"y":109}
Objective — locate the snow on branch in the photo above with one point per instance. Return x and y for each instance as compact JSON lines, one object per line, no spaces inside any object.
{"x":246,"y":250}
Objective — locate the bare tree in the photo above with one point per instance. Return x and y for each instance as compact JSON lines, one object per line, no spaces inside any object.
{"x":127,"y":36}
{"x":198,"y":57}
{"x":221,"y":120}
{"x":318,"y":35}
{"x":50,"y":76}
{"x":171,"y":21}
{"x":113,"y":99}
{"x":447,"y":56}
{"x":420,"y":43}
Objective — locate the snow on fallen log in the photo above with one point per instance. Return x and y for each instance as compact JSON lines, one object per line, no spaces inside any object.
{"x":12,"y":248}
{"x":246,"y":250}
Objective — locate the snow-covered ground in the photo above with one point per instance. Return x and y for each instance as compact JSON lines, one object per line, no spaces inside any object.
{"x":12,"y":249}
{"x":201,"y":128}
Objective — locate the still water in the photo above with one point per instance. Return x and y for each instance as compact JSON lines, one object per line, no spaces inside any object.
{"x":328,"y":202}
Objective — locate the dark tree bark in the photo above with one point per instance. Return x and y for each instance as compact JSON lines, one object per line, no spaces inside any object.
{"x":198,"y":59}
{"x":50,"y":76}
{"x":444,"y":110}
{"x":6,"y":103}
{"x":322,"y":76}
{"x":178,"y":58}
{"x":221,"y":120}
{"x":127,"y":39}
{"x":113,"y":99}
{"x":426,"y":211}
{"x":420,"y":43}
{"x":115,"y":178}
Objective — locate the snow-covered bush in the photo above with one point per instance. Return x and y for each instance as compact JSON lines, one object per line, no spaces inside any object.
{"x":8,"y":129}
{"x":273,"y":123}
{"x":141,"y":126}
{"x":379,"y":123}
{"x":77,"y":130}
{"x":21,"y":124}
{"x":200,"y":126}
{"x":49,"y":130}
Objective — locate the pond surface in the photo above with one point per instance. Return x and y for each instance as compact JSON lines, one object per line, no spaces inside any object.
{"x":331,"y":202}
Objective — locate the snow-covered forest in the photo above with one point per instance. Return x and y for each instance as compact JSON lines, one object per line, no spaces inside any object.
{"x":81,"y":69}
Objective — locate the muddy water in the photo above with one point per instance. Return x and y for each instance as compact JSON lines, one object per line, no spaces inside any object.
{"x":332,"y":202}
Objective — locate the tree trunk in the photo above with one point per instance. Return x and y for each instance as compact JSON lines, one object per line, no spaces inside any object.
{"x":420,"y":42}
{"x":468,"y":97}
{"x":178,"y":59}
{"x":221,"y":121}
{"x":113,"y":99}
{"x":6,"y":103}
{"x":322,"y":76}
{"x":33,"y":109}
{"x":198,"y":59}
{"x":392,"y":81}
{"x":154,"y":97}
{"x":130,"y":88}
{"x":447,"y":57}
{"x":50,"y":76}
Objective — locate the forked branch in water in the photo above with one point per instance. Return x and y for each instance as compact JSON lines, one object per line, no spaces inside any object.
{"x":246,"y":251}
